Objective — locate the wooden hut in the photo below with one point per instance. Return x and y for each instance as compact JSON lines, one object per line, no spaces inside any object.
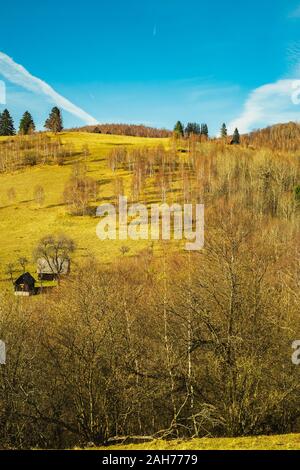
{"x":25,"y":285}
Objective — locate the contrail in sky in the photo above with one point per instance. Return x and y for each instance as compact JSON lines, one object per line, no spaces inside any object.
{"x":18,"y":75}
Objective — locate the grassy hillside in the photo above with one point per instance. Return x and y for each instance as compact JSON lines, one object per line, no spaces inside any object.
{"x":175,"y":345}
{"x":283,"y":442}
{"x":23,"y":222}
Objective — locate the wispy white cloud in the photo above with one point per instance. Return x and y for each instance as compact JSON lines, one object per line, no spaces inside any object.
{"x":270,"y":104}
{"x":274,"y":102}
{"x":17,"y":74}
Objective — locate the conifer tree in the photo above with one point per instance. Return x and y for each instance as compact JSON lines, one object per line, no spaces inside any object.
{"x":236,"y":137}
{"x":192,"y":128}
{"x":223,"y":131}
{"x":27,"y":125}
{"x":204,"y":130}
{"x":6,"y":124}
{"x":54,"y":122}
{"x":178,"y":129}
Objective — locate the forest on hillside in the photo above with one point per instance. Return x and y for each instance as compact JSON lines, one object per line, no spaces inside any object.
{"x":136,"y":130}
{"x":172,"y":344}
{"x":285,"y":137}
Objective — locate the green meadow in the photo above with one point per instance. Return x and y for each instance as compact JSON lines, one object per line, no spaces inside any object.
{"x":23,"y":221}
{"x":277,"y":442}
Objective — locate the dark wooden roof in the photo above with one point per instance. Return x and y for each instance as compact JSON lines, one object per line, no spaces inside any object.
{"x":26,"y":278}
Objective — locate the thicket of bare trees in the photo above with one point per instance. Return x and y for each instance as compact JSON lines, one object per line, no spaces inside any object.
{"x":279,"y":137}
{"x":195,"y":345}
{"x":135,"y":130}
{"x":80,"y":189}
{"x":22,"y":151}
{"x":264,"y":181}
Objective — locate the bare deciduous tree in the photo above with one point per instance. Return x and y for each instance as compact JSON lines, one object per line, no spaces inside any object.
{"x":55,"y":251}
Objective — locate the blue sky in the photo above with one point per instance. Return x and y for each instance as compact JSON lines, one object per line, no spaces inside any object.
{"x":156,"y":62}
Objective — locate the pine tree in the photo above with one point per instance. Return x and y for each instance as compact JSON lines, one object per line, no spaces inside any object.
{"x":236,"y":137}
{"x":178,"y":129}
{"x":27,"y":125}
{"x":204,"y":130}
{"x":192,"y":128}
{"x":6,"y":124}
{"x":54,"y":122}
{"x":223,"y":131}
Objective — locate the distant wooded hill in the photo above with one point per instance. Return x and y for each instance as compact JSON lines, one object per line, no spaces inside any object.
{"x":278,"y":137}
{"x":125,"y":129}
